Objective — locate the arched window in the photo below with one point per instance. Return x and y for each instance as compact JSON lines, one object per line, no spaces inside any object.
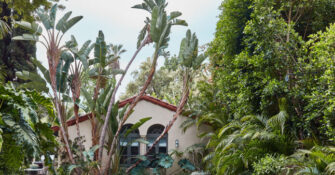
{"x":153,"y":132}
{"x":128,"y":148}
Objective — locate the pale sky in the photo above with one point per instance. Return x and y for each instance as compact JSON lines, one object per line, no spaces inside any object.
{"x":121,"y":24}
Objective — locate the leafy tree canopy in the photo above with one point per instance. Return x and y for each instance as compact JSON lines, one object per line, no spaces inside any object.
{"x":272,"y":60}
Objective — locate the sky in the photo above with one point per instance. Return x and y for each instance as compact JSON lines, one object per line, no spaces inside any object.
{"x":121,"y":24}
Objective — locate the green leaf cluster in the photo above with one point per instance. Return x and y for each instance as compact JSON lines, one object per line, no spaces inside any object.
{"x":24,"y":134}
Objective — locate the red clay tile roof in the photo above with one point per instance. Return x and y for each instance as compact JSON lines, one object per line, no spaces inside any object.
{"x":122,"y":104}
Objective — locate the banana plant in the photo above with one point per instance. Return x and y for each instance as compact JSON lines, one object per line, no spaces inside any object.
{"x":156,"y":30}
{"x":116,"y":51}
{"x":103,"y":73}
{"x":80,"y":63}
{"x":51,"y":41}
{"x":98,"y":108}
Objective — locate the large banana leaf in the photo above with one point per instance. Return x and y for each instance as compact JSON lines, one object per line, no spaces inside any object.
{"x":188,"y":53}
{"x":88,"y":98}
{"x":52,"y":15}
{"x":104,"y":98}
{"x":44,"y":70}
{"x":72,"y":44}
{"x":35,"y":81}
{"x":149,"y":5}
{"x":154,"y":26}
{"x":70,"y":23}
{"x":100,"y":49}
{"x":137,"y":125}
{"x":44,"y":17}
{"x":174,"y":15}
{"x":63,"y":71}
{"x":48,"y":20}
{"x":113,"y":123}
{"x":83,"y":53}
{"x":61,"y":23}
{"x":25,"y":134}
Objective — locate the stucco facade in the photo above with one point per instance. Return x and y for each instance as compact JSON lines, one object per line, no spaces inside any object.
{"x":161,"y":113}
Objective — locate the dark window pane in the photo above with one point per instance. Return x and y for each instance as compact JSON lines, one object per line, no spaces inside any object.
{"x":134,"y":150}
{"x":123,"y":160}
{"x":123,"y":150}
{"x":162,"y":150}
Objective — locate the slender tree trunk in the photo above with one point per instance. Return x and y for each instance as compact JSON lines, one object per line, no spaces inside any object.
{"x":95,"y":135}
{"x":62,"y":129}
{"x":109,"y":111}
{"x":53,"y":55}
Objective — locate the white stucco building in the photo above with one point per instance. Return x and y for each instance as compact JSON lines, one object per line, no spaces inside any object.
{"x":161,"y":113}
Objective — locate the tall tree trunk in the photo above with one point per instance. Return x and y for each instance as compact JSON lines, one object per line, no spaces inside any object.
{"x":109,"y":111}
{"x":53,"y":55}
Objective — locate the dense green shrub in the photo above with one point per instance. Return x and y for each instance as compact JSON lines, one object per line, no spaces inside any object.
{"x":270,"y":165}
{"x":24,"y":132}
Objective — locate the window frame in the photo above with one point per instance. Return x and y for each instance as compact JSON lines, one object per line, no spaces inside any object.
{"x":151,"y":135}
{"x":131,"y":136}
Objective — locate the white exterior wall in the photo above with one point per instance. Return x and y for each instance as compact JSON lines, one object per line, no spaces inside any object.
{"x":85,"y":131}
{"x":160,"y":115}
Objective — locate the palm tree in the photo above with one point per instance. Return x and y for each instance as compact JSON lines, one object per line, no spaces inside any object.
{"x":116,"y":51}
{"x":79,"y":57}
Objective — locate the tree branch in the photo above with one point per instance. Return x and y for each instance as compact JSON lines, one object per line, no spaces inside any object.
{"x":109,"y":111}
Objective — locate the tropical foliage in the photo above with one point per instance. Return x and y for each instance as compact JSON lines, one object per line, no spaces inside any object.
{"x":25,"y":133}
{"x":270,"y":92}
{"x":16,"y":54}
{"x":268,"y":96}
{"x":71,"y":69}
